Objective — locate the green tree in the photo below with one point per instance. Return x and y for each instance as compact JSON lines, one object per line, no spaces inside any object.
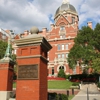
{"x":3,"y":46}
{"x":61,"y":73}
{"x":86,"y":49}
{"x":96,"y":43}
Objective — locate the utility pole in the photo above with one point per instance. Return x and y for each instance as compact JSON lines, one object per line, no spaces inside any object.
{"x":87,"y":94}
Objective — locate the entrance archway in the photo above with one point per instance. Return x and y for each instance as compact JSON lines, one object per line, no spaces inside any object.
{"x":61,"y":67}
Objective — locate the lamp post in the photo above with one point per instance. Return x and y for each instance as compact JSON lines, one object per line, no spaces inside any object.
{"x":87,"y":94}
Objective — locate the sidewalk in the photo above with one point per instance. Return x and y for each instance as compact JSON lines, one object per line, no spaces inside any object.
{"x":94,"y":94}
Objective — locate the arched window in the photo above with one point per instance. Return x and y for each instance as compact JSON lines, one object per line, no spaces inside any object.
{"x":61,"y":67}
{"x":62,"y":28}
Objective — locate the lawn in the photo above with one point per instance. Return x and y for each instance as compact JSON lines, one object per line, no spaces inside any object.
{"x":56,"y":84}
{"x":70,"y":97}
{"x":59,"y":84}
{"x":14,"y":84}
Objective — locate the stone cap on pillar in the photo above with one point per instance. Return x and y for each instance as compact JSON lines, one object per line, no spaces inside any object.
{"x":34,"y":39}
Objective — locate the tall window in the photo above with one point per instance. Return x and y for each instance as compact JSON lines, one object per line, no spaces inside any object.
{"x":66,"y":55}
{"x":62,"y":28}
{"x":74,"y":70}
{"x":52,"y":70}
{"x":59,"y":47}
{"x":59,"y":55}
{"x":66,"y":46}
{"x":73,"y":19}
{"x":62,"y":36}
{"x":62,"y":46}
{"x":63,"y":55}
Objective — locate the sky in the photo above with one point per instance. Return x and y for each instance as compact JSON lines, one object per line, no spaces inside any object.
{"x":21,"y":15}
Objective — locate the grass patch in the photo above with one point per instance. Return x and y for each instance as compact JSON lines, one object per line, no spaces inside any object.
{"x":55,"y":84}
{"x":70,"y":97}
{"x":14,"y":84}
{"x":59,"y":84}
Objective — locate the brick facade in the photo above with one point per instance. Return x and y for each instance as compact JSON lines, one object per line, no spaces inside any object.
{"x":32,"y":51}
{"x":6,"y":75}
{"x":61,"y":37}
{"x":62,"y":34}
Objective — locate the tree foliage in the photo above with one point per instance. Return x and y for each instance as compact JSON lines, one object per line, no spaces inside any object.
{"x":86,"y":49}
{"x":61,"y":73}
{"x":3,"y":46}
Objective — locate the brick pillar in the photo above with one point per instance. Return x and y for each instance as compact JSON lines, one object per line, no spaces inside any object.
{"x":6,"y":77}
{"x":32,"y":67}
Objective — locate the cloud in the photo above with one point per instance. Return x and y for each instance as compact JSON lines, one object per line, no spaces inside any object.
{"x":21,"y":15}
{"x":89,"y":9}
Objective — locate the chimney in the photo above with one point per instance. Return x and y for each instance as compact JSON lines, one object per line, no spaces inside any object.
{"x":52,"y":26}
{"x":90,"y":24}
{"x":26,"y":32}
{"x":44,"y":29}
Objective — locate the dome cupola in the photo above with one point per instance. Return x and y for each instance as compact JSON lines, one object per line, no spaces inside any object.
{"x":66,"y":7}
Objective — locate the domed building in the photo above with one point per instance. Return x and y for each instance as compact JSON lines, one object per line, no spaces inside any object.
{"x":61,"y":37}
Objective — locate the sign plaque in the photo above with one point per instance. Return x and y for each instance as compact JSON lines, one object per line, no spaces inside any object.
{"x":28,"y":71}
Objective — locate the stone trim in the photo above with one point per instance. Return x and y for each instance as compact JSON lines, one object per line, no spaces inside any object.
{"x":34,"y":40}
{"x":36,"y":56}
{"x":71,"y":38}
{"x":6,"y":61}
{"x":5,"y":68}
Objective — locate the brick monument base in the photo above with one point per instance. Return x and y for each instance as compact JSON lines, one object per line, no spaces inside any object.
{"x":6,"y":77}
{"x":32,"y":67}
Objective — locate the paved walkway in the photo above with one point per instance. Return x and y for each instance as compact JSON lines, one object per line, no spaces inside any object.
{"x":94,"y":94}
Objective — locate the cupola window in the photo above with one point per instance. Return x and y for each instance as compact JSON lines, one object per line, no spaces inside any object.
{"x":62,"y":28}
{"x":73,"y":20}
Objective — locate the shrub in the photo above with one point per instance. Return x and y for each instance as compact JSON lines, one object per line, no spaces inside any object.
{"x":55,"y":96}
{"x":61,"y":73}
{"x":64,"y":97}
{"x":52,"y":96}
{"x":67,"y":76}
{"x":85,"y":78}
{"x":75,"y":84}
{"x":98,"y":84}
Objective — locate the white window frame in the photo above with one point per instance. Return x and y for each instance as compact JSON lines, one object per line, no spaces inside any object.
{"x":66,"y":46}
{"x":66,"y":55}
{"x":63,"y":47}
{"x":62,"y":28}
{"x":58,"y":47}
{"x":59,"y":55}
{"x":63,"y":55}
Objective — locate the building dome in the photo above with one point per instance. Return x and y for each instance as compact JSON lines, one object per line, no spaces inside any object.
{"x":67,"y":7}
{"x":34,"y":30}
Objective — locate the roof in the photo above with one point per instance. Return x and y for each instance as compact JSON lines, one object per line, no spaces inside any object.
{"x":65,"y":7}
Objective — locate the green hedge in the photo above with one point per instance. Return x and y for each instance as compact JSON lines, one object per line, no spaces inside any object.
{"x":98,"y":84}
{"x":85,"y":77}
{"x":75,"y":84}
{"x":55,"y":96}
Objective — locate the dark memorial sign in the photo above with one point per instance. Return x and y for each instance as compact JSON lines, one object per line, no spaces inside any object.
{"x":28,"y":72}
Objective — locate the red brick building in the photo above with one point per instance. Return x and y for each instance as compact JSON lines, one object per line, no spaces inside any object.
{"x":61,"y":37}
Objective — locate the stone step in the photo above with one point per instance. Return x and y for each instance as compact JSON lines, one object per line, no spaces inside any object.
{"x":12,"y":99}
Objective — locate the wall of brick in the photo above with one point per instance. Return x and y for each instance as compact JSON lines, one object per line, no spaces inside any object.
{"x":6,"y":77}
